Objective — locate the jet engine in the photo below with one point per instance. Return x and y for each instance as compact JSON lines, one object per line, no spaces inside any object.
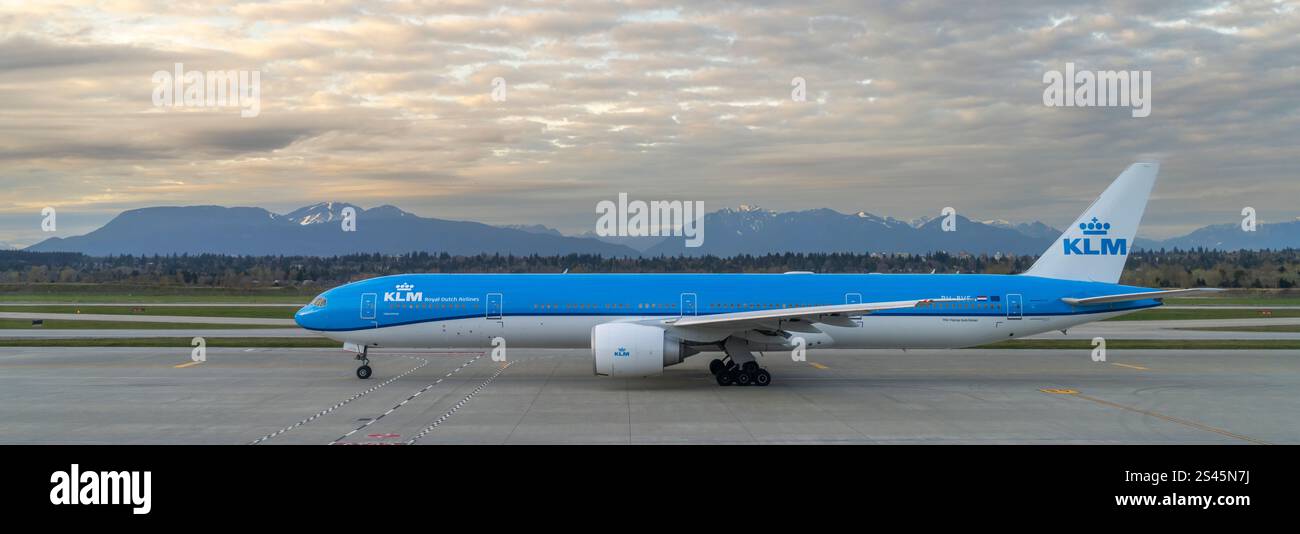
{"x":627,"y":349}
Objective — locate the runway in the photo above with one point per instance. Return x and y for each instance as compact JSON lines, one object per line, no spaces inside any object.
{"x":310,"y":396}
{"x":37,"y":333}
{"x":181,"y":319}
{"x":162,"y":304}
{"x":1174,"y":329}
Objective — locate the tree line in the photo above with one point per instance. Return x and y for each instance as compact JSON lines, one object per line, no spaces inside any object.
{"x":1163,"y":268}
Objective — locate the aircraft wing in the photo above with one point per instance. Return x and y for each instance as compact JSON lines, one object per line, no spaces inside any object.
{"x":1125,"y":297}
{"x":837,"y":314}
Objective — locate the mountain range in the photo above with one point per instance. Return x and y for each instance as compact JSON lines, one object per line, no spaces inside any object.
{"x":315,"y":231}
{"x":756,"y":231}
{"x":309,"y":231}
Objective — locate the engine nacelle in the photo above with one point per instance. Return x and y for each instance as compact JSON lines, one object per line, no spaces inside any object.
{"x":627,"y":349}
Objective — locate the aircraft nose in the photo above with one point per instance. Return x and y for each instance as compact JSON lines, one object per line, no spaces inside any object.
{"x":303,"y":317}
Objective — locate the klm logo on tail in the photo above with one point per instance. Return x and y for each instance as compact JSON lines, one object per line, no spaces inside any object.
{"x":1093,"y":244}
{"x":1096,"y":247}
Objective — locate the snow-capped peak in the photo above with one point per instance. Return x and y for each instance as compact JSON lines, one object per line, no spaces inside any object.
{"x":321,"y":212}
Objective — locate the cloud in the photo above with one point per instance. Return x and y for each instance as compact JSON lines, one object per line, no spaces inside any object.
{"x":393,"y":104}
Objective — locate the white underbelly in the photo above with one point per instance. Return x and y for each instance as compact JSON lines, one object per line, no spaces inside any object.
{"x":922,"y":332}
{"x":574,"y":332}
{"x":539,"y":332}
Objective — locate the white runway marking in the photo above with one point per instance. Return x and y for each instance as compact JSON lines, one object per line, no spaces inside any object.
{"x":408,"y":399}
{"x":462,"y":402}
{"x":326,"y":411}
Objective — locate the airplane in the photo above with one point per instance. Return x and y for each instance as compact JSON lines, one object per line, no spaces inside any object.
{"x":637,"y":324}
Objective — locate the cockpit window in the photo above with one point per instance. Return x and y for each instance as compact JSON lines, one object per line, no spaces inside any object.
{"x":319,"y":302}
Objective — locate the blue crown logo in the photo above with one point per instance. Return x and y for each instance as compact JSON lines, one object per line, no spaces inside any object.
{"x":405,"y":287}
{"x":1094,"y":227}
{"x":622,"y":352}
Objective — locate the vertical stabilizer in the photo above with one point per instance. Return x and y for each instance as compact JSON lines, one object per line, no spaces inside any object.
{"x":1096,"y":246}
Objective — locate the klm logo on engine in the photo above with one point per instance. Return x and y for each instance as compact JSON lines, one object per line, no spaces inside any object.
{"x":403,"y":294}
{"x":622,"y":352}
{"x":1093,"y":243}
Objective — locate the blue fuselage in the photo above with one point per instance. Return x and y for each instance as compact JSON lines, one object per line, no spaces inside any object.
{"x":363,"y":310}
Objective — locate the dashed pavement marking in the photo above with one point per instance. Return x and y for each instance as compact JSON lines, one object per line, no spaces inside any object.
{"x":423,"y":362}
{"x":408,"y":399}
{"x":458,"y":405}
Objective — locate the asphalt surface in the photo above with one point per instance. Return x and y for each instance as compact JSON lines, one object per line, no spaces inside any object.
{"x":161,"y":304}
{"x":1174,"y":330}
{"x":37,"y":333}
{"x":1106,"y":329}
{"x":181,"y":319}
{"x":310,"y":396}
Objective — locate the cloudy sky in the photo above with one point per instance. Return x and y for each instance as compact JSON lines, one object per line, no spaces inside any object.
{"x":911,"y":106}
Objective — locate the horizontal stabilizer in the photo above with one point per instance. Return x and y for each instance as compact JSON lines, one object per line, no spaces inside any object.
{"x":1126,"y":297}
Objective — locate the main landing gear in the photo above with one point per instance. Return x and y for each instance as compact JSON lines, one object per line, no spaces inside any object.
{"x":738,"y":368}
{"x":747,"y":374}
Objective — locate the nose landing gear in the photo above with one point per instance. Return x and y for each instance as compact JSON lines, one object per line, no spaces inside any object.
{"x":364,"y":371}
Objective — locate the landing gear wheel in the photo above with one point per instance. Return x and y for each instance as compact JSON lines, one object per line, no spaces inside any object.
{"x":744,"y":379}
{"x":762,"y":378}
{"x":749,"y":367}
{"x":363,"y":372}
{"x":725,"y":379}
{"x":716,"y":366}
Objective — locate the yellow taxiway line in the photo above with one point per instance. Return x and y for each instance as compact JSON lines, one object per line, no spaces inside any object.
{"x":1170,"y":418}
